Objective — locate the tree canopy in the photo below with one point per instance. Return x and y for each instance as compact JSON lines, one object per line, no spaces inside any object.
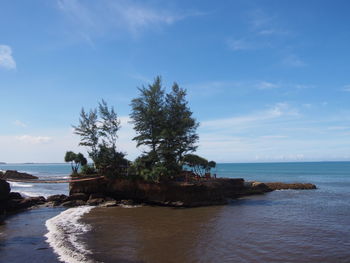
{"x":76,"y":160}
{"x":164,"y":124}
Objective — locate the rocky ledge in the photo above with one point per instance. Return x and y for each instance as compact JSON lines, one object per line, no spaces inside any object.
{"x":179,"y":194}
{"x":13,"y":174}
{"x":108,"y":193}
{"x":13,"y":202}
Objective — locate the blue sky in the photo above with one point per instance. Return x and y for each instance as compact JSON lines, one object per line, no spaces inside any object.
{"x":268,"y":80}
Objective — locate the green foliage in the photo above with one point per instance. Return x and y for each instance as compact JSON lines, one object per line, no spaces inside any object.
{"x":88,"y":169}
{"x":98,"y":131}
{"x":88,"y":131}
{"x":76,"y":160}
{"x":109,"y":125}
{"x":148,"y":117}
{"x":198,"y":165}
{"x":110,"y":162}
{"x":179,"y":133}
{"x":163,"y":123}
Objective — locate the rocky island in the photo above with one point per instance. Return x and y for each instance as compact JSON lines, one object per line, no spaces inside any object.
{"x":106,"y":193}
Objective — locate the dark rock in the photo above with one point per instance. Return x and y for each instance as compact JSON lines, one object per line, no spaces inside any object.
{"x":95,"y":201}
{"x":78,"y":196}
{"x":57,"y":198}
{"x":259,"y":188}
{"x":96,"y":195}
{"x":74,"y":203}
{"x":109,"y":204}
{"x":17,"y":204}
{"x":4,"y":190}
{"x":15,"y":195}
{"x":170,"y":193}
{"x":295,"y":186}
{"x":127,"y":202}
{"x":12,"y":174}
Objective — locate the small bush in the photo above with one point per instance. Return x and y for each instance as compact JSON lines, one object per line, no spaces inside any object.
{"x":88,"y":169}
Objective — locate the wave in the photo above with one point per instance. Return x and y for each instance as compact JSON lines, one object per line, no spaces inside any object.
{"x":32,"y":194}
{"x":63,"y":233}
{"x":14,"y":184}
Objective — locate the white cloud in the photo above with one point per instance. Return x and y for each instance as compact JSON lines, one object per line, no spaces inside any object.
{"x":293,"y":61}
{"x":6,"y":59}
{"x":267,"y":85}
{"x":19,"y":124}
{"x":34,"y":139}
{"x":346,"y":88}
{"x":254,"y":119}
{"x":240,"y":44}
{"x":113,"y":17}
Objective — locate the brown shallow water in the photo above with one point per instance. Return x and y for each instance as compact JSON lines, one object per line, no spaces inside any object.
{"x":284,"y":226}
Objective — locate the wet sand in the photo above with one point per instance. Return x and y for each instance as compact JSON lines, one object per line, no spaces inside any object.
{"x":283,"y":226}
{"x":22,"y":237}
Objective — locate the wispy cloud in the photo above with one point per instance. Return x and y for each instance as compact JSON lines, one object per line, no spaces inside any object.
{"x":241,"y":44}
{"x":93,"y":19}
{"x":34,"y":139}
{"x":293,"y":61}
{"x":346,"y":88}
{"x":6,"y":59}
{"x":276,"y":111}
{"x":19,"y":123}
{"x":263,"y":85}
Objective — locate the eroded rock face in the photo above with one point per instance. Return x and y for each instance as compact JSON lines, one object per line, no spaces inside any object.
{"x":4,"y":190}
{"x":73,"y":203}
{"x":295,"y":186}
{"x":13,"y":174}
{"x":78,"y":196}
{"x":57,"y":198}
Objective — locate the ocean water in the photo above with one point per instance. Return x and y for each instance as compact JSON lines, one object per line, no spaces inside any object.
{"x":281,"y":226}
{"x":43,"y":171}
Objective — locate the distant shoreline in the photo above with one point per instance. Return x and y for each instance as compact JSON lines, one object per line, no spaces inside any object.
{"x":275,"y":162}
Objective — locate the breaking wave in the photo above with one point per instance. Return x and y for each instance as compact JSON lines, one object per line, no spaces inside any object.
{"x":64,"y":231}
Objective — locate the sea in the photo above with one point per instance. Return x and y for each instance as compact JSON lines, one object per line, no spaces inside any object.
{"x":281,"y":226}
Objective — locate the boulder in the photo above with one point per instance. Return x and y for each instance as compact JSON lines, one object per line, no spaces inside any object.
{"x":17,"y":204}
{"x":295,"y":186}
{"x":109,"y":204}
{"x":15,"y":195}
{"x":127,"y":202}
{"x":95,"y":201}
{"x":96,"y":195}
{"x":4,"y":190}
{"x":13,"y":174}
{"x":78,"y":196}
{"x":57,"y":198}
{"x":261,"y":187}
{"x":73,"y":203}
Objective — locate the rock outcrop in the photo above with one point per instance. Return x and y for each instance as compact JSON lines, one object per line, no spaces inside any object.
{"x":177,"y":194}
{"x":4,"y":190}
{"x":295,"y":186}
{"x":13,"y":174}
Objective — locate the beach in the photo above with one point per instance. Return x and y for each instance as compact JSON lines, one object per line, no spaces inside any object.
{"x":281,"y":226}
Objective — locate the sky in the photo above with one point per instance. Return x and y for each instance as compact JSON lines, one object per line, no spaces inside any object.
{"x":267,"y":80}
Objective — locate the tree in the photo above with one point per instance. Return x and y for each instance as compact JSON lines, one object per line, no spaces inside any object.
{"x":98,"y":131}
{"x":148,"y":117}
{"x":199,"y":165}
{"x":109,"y":125}
{"x":88,"y":131}
{"x":179,"y":131}
{"x":76,"y":160}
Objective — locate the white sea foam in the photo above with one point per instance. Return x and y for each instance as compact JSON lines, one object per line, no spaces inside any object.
{"x":32,"y":194}
{"x":64,"y":231}
{"x":14,"y":184}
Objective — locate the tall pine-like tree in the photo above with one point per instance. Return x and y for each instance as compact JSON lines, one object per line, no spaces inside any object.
{"x":164,"y":123}
{"x":148,"y":117}
{"x":179,"y":131}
